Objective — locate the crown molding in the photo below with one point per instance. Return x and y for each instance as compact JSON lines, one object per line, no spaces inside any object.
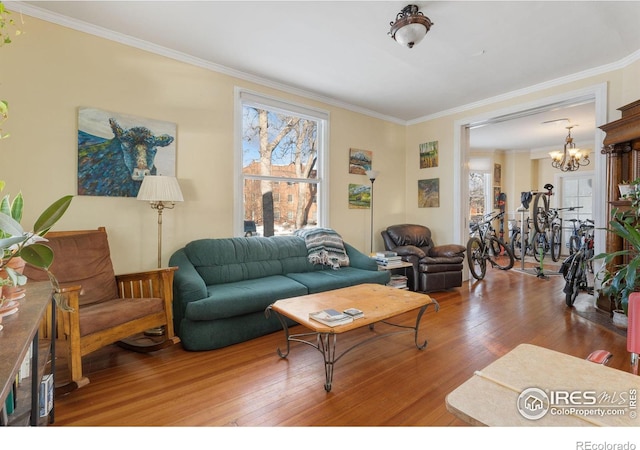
{"x":131,"y":41}
{"x":621,"y":64}
{"x":39,"y":13}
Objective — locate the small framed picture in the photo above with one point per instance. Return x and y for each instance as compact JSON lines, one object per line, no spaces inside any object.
{"x":429,"y":193}
{"x":428,"y":154}
{"x":359,"y":161}
{"x":359,"y":196}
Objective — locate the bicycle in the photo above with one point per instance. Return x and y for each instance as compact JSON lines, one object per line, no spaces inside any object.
{"x":538,"y":245}
{"x":575,"y":267}
{"x":484,"y":245}
{"x":548,"y":221}
{"x":574,"y":239}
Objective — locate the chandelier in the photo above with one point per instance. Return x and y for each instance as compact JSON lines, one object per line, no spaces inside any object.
{"x":410,"y":27}
{"x":571,"y":158}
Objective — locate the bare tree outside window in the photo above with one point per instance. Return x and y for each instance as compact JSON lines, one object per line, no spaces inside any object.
{"x":279,"y":162}
{"x":477,"y":195}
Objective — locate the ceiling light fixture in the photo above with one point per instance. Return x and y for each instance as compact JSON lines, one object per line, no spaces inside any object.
{"x":410,"y":27}
{"x":571,"y":158}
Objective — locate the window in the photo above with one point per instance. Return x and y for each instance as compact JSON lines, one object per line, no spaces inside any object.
{"x":282,"y":154}
{"x":576,"y":192}
{"x":480,"y":201}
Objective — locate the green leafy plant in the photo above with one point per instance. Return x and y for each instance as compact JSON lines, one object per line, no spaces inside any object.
{"x":30,"y":246}
{"x":7,"y":23}
{"x":7,"y":29}
{"x":620,"y":280}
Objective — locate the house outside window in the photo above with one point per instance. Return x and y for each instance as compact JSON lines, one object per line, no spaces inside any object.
{"x":282,"y":154}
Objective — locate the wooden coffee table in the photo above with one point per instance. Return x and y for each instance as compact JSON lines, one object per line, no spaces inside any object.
{"x":378,"y":303}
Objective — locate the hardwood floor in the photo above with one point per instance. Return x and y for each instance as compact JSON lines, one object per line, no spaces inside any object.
{"x":385,"y":383}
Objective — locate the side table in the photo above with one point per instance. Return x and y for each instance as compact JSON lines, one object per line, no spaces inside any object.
{"x":403,"y":265}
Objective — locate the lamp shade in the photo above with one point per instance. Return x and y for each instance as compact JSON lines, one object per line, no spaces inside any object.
{"x":410,"y":34}
{"x":372,"y":174}
{"x":633,"y":328}
{"x":158,"y":188}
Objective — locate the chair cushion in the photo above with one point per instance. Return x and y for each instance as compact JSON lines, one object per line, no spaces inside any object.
{"x":101,"y":316}
{"x":409,"y":234}
{"x":81,"y":259}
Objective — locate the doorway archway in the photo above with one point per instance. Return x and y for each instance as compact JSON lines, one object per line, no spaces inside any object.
{"x":597,"y":94}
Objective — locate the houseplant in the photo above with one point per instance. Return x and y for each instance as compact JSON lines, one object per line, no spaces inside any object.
{"x":6,"y":22}
{"x":620,"y":280}
{"x":15,"y":242}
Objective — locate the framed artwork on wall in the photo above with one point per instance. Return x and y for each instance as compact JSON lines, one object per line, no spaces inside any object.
{"x":496,"y":197}
{"x":359,"y":196}
{"x":428,"y":154}
{"x":359,"y":161}
{"x":429,"y":193}
{"x":116,"y":151}
{"x":497,"y":174}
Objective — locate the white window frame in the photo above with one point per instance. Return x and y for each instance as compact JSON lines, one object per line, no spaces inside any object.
{"x":243,"y":96}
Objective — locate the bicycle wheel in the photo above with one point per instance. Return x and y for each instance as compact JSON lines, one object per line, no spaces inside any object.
{"x":516,"y":245}
{"x":500,"y":256}
{"x":540,"y":210}
{"x":477,"y":263}
{"x":572,"y":285}
{"x":538,"y":242}
{"x":556,"y":242}
{"x":574,"y":244}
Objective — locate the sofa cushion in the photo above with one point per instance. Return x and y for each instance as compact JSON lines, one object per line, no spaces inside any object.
{"x":220,"y":261}
{"x":326,"y":280}
{"x":243,"y":297}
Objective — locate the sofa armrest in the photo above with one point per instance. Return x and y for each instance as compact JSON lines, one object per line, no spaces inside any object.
{"x":188,"y":285}
{"x":448,"y":250}
{"x":409,"y":250}
{"x":358,"y":259}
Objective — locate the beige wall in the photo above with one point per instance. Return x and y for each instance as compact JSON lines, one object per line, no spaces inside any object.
{"x":622,"y":88}
{"x":50,"y":71}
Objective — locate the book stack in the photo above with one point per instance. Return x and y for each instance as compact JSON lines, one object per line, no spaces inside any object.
{"x":46,"y":395}
{"x":331,"y":317}
{"x":354,"y":312}
{"x":398,"y":281}
{"x":388,"y":260}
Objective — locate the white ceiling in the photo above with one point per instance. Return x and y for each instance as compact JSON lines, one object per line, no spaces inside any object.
{"x":339,"y":51}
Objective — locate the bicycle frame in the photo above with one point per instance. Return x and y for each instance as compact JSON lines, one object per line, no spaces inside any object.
{"x":484,"y":245}
{"x":574,"y":268}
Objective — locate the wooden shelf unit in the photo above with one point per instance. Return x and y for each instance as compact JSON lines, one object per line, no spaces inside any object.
{"x":622,"y":147}
{"x":20,"y":331}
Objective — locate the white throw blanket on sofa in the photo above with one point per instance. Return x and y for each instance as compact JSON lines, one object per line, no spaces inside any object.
{"x":324,"y":246}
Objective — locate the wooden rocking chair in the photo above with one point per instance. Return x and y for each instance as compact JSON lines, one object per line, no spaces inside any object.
{"x":104,"y":308}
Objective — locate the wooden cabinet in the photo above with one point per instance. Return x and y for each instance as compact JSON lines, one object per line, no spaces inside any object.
{"x":622,"y":147}
{"x":21,"y":331}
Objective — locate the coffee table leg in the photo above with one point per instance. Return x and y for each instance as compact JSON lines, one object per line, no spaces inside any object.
{"x":420,"y":313}
{"x":327,"y":346}
{"x":285,"y":327}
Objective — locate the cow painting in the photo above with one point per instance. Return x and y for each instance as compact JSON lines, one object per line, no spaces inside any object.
{"x":115,"y":167}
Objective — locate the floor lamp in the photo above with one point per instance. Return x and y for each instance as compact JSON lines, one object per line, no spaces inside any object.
{"x":162,"y":192}
{"x":372,"y":174}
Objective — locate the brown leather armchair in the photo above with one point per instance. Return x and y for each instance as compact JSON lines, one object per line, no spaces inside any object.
{"x":435,"y":267}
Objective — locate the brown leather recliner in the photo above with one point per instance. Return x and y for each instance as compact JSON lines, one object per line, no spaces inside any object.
{"x":435,"y":267}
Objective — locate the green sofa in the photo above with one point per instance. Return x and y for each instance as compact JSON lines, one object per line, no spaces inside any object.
{"x":223,"y":286}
